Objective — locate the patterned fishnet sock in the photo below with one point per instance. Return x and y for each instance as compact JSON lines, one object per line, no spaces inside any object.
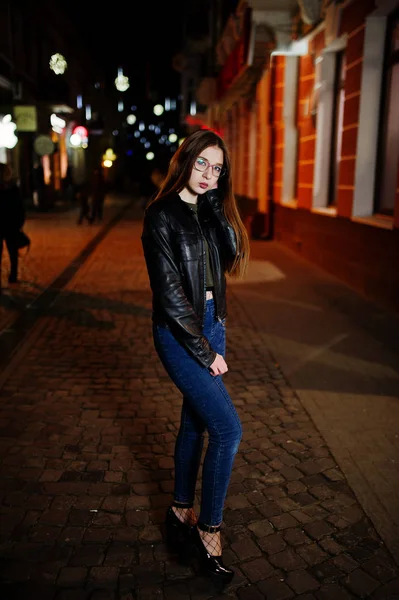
{"x":185,"y":515}
{"x":212,"y":542}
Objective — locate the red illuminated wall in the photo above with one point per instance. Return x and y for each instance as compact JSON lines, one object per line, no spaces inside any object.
{"x":306,"y":132}
{"x":277,"y":105}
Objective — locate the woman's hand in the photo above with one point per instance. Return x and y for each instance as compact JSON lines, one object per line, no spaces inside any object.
{"x":219,"y":366}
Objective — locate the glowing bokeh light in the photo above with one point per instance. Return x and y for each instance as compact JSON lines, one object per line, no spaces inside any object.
{"x":158,"y":109}
{"x":58,"y":64}
{"x":122,"y":82}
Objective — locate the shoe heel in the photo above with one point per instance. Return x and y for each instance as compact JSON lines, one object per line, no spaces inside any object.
{"x":177,"y":536}
{"x":208,"y":565}
{"x":220,"y":582}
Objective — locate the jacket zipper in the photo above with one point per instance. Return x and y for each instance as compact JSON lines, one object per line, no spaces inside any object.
{"x":210,"y":246}
{"x":203,"y":254}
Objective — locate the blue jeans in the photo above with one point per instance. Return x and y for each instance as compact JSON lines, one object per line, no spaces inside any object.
{"x":206,"y":406}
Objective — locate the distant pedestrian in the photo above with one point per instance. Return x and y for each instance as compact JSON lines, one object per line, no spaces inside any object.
{"x":83,"y":198}
{"x":97,"y":193}
{"x":12,"y":218}
{"x":192,"y":237}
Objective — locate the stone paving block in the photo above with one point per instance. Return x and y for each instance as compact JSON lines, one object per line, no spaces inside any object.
{"x":246,"y":549}
{"x":149,"y":573}
{"x":332,"y":591}
{"x":296,"y":537}
{"x":250,"y":593}
{"x":326,"y":572}
{"x":381,"y":568}
{"x":119,"y":555}
{"x":318,"y":529}
{"x":261,"y":528}
{"x":300,"y":581}
{"x":72,"y":577}
{"x":274,"y":588}
{"x":284,"y":521}
{"x":272,"y":544}
{"x":288,"y":560}
{"x":360,"y":583}
{"x":87,"y":556}
{"x":96,"y":535}
{"x":258,"y":569}
{"x":312,"y":554}
{"x":71,"y":594}
{"x":151,"y":593}
{"x":269,"y":509}
{"x":103,"y":595}
{"x":104,"y":576}
{"x":389,"y":590}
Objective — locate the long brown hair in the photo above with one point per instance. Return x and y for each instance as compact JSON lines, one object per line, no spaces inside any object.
{"x":179,"y":173}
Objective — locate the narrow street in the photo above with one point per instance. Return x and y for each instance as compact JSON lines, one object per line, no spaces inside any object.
{"x":88,"y":419}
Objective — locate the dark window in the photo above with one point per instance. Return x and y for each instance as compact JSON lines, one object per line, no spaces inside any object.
{"x":388,"y":155}
{"x":337,"y":126}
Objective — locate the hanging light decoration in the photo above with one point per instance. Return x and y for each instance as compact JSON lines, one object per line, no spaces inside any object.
{"x":122,"y":82}
{"x":58,"y":63}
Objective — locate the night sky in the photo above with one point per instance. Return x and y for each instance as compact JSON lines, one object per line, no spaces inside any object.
{"x":143,"y":46}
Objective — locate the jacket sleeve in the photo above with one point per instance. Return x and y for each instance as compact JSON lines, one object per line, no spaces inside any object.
{"x":167,"y":288}
{"x":227,"y":233}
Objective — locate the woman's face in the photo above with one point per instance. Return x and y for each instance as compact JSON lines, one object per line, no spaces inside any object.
{"x":206,"y":170}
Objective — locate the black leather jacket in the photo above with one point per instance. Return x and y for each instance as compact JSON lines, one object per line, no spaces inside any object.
{"x":174,"y":250}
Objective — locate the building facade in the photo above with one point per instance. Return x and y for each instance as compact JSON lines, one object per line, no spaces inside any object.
{"x":47,"y":100}
{"x":307,"y":97}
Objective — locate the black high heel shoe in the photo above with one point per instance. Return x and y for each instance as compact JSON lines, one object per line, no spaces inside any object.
{"x":178,"y":533}
{"x":210,"y":565}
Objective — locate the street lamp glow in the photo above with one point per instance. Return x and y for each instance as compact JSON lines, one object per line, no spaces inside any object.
{"x":149,"y":155}
{"x":158,"y":109}
{"x":131,"y":119}
{"x":8,"y":139}
{"x":107,"y":163}
{"x":173,"y":137}
{"x":75,"y":140}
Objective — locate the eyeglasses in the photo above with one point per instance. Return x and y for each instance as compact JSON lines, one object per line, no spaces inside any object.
{"x":202,"y":164}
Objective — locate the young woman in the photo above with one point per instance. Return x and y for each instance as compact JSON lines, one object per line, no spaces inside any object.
{"x":192,"y":236}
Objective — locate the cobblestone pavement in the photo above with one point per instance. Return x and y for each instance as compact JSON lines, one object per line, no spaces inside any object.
{"x":88,"y":421}
{"x":56,"y":241}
